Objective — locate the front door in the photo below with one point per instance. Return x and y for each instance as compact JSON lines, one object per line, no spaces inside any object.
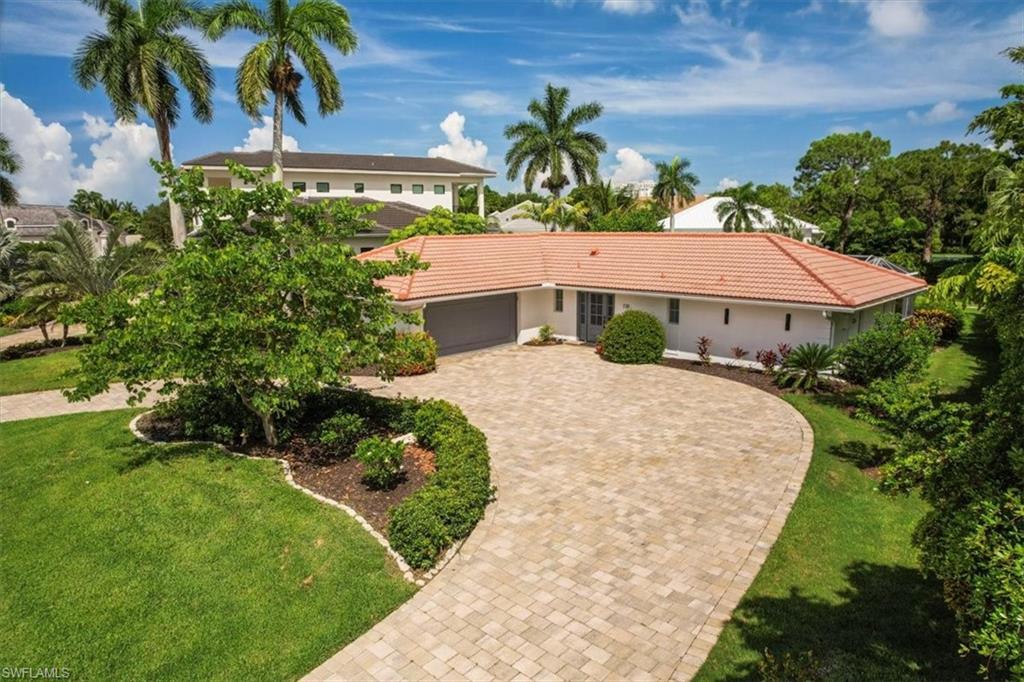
{"x":593,"y":310}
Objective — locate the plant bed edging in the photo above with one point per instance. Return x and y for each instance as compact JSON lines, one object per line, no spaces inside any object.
{"x":407,"y":572}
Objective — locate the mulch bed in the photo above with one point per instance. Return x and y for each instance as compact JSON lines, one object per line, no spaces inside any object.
{"x":740,"y":374}
{"x":337,"y":479}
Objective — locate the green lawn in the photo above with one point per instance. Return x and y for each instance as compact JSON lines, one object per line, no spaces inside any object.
{"x":964,"y":367}
{"x":41,"y":373}
{"x":842,"y":580}
{"x":121,"y":560}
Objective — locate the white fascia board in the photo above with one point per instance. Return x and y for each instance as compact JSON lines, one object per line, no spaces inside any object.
{"x":472,"y":176}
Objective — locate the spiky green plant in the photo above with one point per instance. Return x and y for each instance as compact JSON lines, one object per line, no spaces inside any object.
{"x":804,"y":366}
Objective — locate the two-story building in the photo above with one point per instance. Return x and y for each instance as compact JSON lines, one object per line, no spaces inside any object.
{"x":408,"y":186}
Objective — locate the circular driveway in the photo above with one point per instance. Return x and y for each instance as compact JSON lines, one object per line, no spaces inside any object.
{"x":635,"y":505}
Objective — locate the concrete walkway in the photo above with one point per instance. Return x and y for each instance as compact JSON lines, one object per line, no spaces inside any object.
{"x":35,"y":334}
{"x":635,"y":506}
{"x":52,"y":403}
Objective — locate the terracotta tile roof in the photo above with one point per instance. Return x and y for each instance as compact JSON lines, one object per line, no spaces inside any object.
{"x":349,"y":162}
{"x":756,"y":266}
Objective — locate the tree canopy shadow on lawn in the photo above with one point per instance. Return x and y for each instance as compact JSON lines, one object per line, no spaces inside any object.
{"x":139,"y":454}
{"x":890,"y":625}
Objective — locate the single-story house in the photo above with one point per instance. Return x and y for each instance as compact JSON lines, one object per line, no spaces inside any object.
{"x":512,"y":220}
{"x":752,"y":290}
{"x":701,"y":215}
{"x":37,"y":223}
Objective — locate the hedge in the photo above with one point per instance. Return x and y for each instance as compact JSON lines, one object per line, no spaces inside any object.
{"x":32,"y":348}
{"x":452,"y":502}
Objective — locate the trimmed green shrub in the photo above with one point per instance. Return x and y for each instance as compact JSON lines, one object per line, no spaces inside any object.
{"x":895,"y":403}
{"x":892,"y":346}
{"x":32,"y":348}
{"x":804,"y":365}
{"x":381,"y":460}
{"x":633,"y":337}
{"x":946,"y":324}
{"x":545,"y":334}
{"x":414,"y":353}
{"x":341,"y":432}
{"x":210,"y":413}
{"x":453,"y":500}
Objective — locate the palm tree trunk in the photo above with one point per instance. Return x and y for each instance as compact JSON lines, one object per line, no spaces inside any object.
{"x":46,"y":334}
{"x":64,"y":334}
{"x":278,"y":152}
{"x":163,"y":136}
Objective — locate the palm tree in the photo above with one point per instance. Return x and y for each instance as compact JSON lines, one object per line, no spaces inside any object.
{"x":740,"y":212}
{"x":8,"y":245}
{"x":675,"y":182}
{"x":601,"y":198}
{"x":268,"y":67}
{"x":9,"y":163}
{"x":551,"y":141}
{"x":137,"y":60}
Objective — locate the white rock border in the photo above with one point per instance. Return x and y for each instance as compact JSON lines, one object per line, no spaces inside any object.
{"x":407,"y":572}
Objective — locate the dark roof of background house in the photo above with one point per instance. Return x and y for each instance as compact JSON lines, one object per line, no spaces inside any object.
{"x":39,"y":220}
{"x":356,"y":162}
{"x":392,"y":215}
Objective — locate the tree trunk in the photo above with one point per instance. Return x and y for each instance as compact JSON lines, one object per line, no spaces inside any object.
{"x":64,"y":334}
{"x":278,"y":153}
{"x":163,"y":136}
{"x":844,"y":226}
{"x":929,"y":236}
{"x":46,"y":334}
{"x":672,"y":214}
{"x":266,"y":419}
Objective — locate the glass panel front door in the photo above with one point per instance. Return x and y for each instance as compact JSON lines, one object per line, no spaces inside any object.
{"x":593,"y":312}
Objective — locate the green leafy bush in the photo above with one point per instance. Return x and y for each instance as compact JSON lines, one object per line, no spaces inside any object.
{"x":210,"y":413}
{"x":633,"y":337}
{"x":892,"y":346}
{"x":639,"y":219}
{"x":453,"y":500}
{"x":341,"y":432}
{"x":545,"y":334}
{"x":32,"y":348}
{"x":381,"y":460}
{"x":414,"y":353}
{"x":946,"y":324}
{"x":804,"y":365}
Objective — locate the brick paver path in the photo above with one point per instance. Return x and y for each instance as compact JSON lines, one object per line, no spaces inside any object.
{"x":34,"y":334}
{"x":635,"y":506}
{"x":51,"y":403}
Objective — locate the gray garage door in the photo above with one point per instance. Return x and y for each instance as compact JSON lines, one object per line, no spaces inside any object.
{"x":472,"y":323}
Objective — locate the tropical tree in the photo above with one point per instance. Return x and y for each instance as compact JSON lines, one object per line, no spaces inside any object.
{"x":739,"y":211}
{"x":835,"y":179}
{"x":9,"y":163}
{"x":675,"y":182}
{"x":440,"y":221}
{"x":551,"y":143}
{"x":268,"y":67}
{"x":137,"y":61}
{"x":602,"y":198}
{"x":1005,"y":123}
{"x":560,"y":214}
{"x":8,"y":245}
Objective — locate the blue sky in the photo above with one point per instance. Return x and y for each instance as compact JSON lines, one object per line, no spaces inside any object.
{"x":738,"y":87}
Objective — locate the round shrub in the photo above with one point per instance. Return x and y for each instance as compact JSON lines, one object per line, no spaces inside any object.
{"x":633,"y":337}
{"x":381,"y":460}
{"x":892,"y":346}
{"x":947,"y":324}
{"x":414,"y":353}
{"x":416,"y":531}
{"x":341,"y":432}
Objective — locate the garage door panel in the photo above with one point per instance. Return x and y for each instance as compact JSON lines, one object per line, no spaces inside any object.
{"x":472,"y":323}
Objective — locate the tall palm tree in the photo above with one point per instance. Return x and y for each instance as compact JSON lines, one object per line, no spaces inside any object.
{"x":9,"y":163}
{"x":285,"y":30}
{"x":137,"y":61}
{"x":601,"y":198}
{"x":675,"y":181}
{"x":740,"y":212}
{"x":8,"y":246}
{"x":551,"y":141}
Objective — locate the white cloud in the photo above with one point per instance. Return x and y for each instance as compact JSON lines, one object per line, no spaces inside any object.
{"x":628,"y":6}
{"x":842,"y":129}
{"x":727,"y":183}
{"x":897,"y":18}
{"x":813,"y":7}
{"x":486,"y":102}
{"x":943,"y":111}
{"x":50,"y":174}
{"x":459,"y":147}
{"x":262,"y":137}
{"x":632,"y":167}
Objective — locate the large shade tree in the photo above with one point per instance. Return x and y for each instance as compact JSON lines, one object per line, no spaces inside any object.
{"x":834,"y":177}
{"x":551,"y":143}
{"x":286,"y":33}
{"x":675,"y":182}
{"x":140,"y":60}
{"x":9,"y":165}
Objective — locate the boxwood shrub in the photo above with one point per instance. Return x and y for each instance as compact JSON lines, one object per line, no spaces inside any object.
{"x":633,"y":337}
{"x":414,"y":353}
{"x":453,"y":500}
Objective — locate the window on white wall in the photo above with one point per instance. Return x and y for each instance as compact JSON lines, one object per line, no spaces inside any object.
{"x":673,"y":311}
{"x":360,"y":188}
{"x":417,"y":189}
{"x":438,"y":189}
{"x":789,"y":321}
{"x":299,"y":186}
{"x":559,"y":300}
{"x":396,"y":189}
{"x":726,"y":320}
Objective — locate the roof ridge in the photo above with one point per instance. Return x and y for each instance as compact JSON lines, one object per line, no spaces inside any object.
{"x":412,"y":275}
{"x":771,"y":237}
{"x":851,"y":259}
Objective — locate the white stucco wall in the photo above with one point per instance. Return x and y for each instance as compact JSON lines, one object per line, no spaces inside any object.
{"x":850,"y":324}
{"x":537,"y":308}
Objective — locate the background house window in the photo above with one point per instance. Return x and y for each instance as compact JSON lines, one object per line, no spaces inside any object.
{"x":789,"y":320}
{"x":396,"y":188}
{"x":299,"y":186}
{"x":559,"y":300}
{"x":364,"y":249}
{"x":323,"y":187}
{"x":438,"y":189}
{"x":359,"y":187}
{"x":10,"y":223}
{"x":673,"y":311}
{"x":726,"y":316}
{"x":417,"y":189}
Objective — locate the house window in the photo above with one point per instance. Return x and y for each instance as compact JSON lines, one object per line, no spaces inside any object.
{"x":299,"y":186}
{"x":726,"y":316}
{"x":559,"y":300}
{"x":417,"y":189}
{"x":10,"y":223}
{"x":364,"y":249}
{"x":396,"y":188}
{"x":323,"y":187}
{"x":360,"y":188}
{"x":438,"y":189}
{"x":673,"y":311}
{"x":789,"y":320}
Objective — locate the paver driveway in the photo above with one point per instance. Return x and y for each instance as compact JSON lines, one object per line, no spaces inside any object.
{"x":635,"y":505}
